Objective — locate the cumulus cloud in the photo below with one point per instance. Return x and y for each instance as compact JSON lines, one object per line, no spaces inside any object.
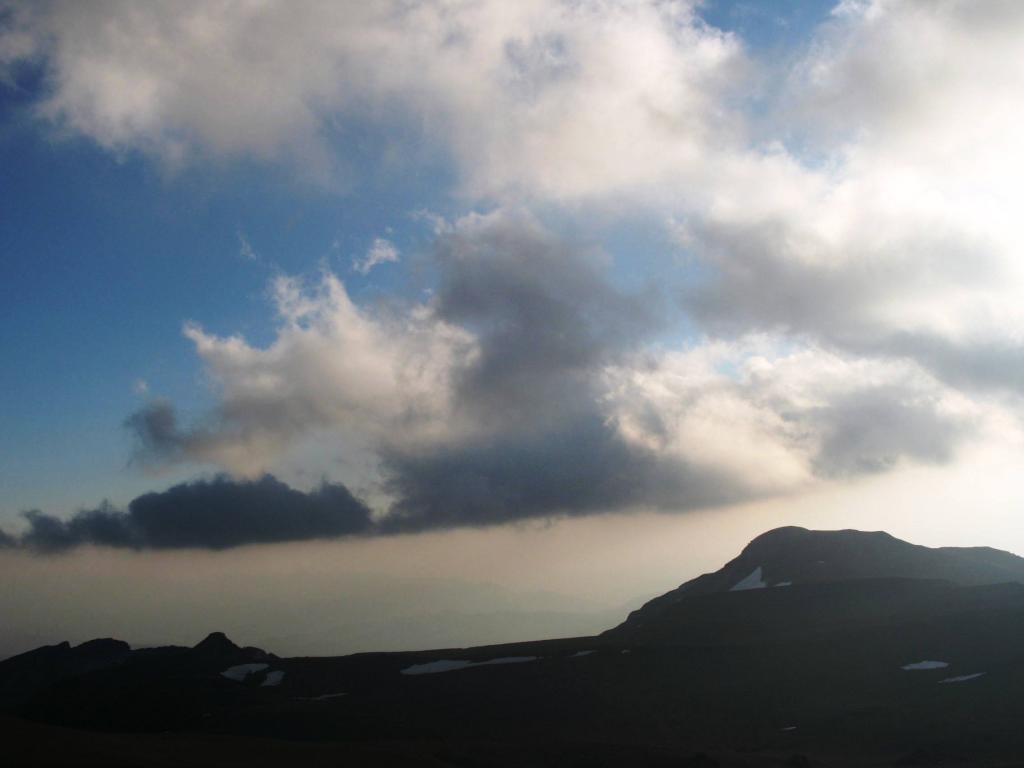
{"x":901,"y":238}
{"x":208,"y":514}
{"x":530,"y":385}
{"x":769,"y":420}
{"x":543,"y":313}
{"x":562,"y":98}
{"x":381,"y":251}
{"x":331,"y":364}
{"x":877,"y":199}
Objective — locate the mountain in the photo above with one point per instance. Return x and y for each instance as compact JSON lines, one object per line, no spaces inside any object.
{"x":792,"y":555}
{"x":877,"y":652}
{"x":825,"y":580}
{"x":24,"y":674}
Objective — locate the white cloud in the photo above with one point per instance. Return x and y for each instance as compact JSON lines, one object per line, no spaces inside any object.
{"x":245,"y":249}
{"x":770,"y":418}
{"x":331,"y":365}
{"x":561,"y":99}
{"x":902,"y":236}
{"x":381,"y":251}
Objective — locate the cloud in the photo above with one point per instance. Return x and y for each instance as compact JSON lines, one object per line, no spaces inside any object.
{"x":560,"y":99}
{"x":867,"y":202}
{"x":767,"y":420}
{"x":848,"y":238}
{"x":245,"y":249}
{"x":530,"y":385}
{"x":544,"y":316}
{"x":210,"y":514}
{"x":518,"y":323}
{"x":381,"y":251}
{"x":331,"y":365}
{"x":895,"y":231}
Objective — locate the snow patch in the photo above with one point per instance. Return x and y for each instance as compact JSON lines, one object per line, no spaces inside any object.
{"x":448,"y":665}
{"x":239,"y":672}
{"x":917,"y":665}
{"x":789,"y":728}
{"x":784,"y":584}
{"x":507,"y":660}
{"x":444,"y":665}
{"x":273,"y":678}
{"x":962,"y":678}
{"x":753,"y":581}
{"x":321,"y":697}
{"x":580,"y":653}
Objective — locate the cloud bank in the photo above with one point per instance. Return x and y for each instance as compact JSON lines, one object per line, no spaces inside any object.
{"x":210,"y":514}
{"x":530,"y":385}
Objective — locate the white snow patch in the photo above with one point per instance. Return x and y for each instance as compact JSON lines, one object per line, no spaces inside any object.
{"x":580,"y":653}
{"x":753,"y":581}
{"x":273,"y":678}
{"x":444,"y":665}
{"x":789,"y":728}
{"x":447,"y":665}
{"x":506,"y":660}
{"x":925,"y":665}
{"x":239,"y":672}
{"x":626,"y":651}
{"x":962,"y":678}
{"x":784,"y":584}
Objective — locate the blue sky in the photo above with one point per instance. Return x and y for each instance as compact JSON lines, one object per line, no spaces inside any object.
{"x":106,"y":256}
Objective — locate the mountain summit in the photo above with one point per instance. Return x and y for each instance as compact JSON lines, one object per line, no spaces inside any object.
{"x":792,"y":555}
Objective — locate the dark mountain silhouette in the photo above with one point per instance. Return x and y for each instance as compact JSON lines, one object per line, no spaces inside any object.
{"x":876,"y":652}
{"x":24,"y":674}
{"x":826,"y":580}
{"x":792,"y":555}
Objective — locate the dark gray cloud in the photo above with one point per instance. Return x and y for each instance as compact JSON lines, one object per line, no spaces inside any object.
{"x":210,"y":514}
{"x":582,"y":467}
{"x":156,"y":431}
{"x":6,"y":540}
{"x":546,"y":320}
{"x":545,"y":316}
{"x":769,"y":276}
{"x":870,"y":430}
{"x":578,"y":465}
{"x":990,"y":364}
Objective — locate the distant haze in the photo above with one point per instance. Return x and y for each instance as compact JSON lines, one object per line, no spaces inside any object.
{"x":573,"y":577}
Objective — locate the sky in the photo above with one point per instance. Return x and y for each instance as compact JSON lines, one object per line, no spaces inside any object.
{"x":362,"y":325}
